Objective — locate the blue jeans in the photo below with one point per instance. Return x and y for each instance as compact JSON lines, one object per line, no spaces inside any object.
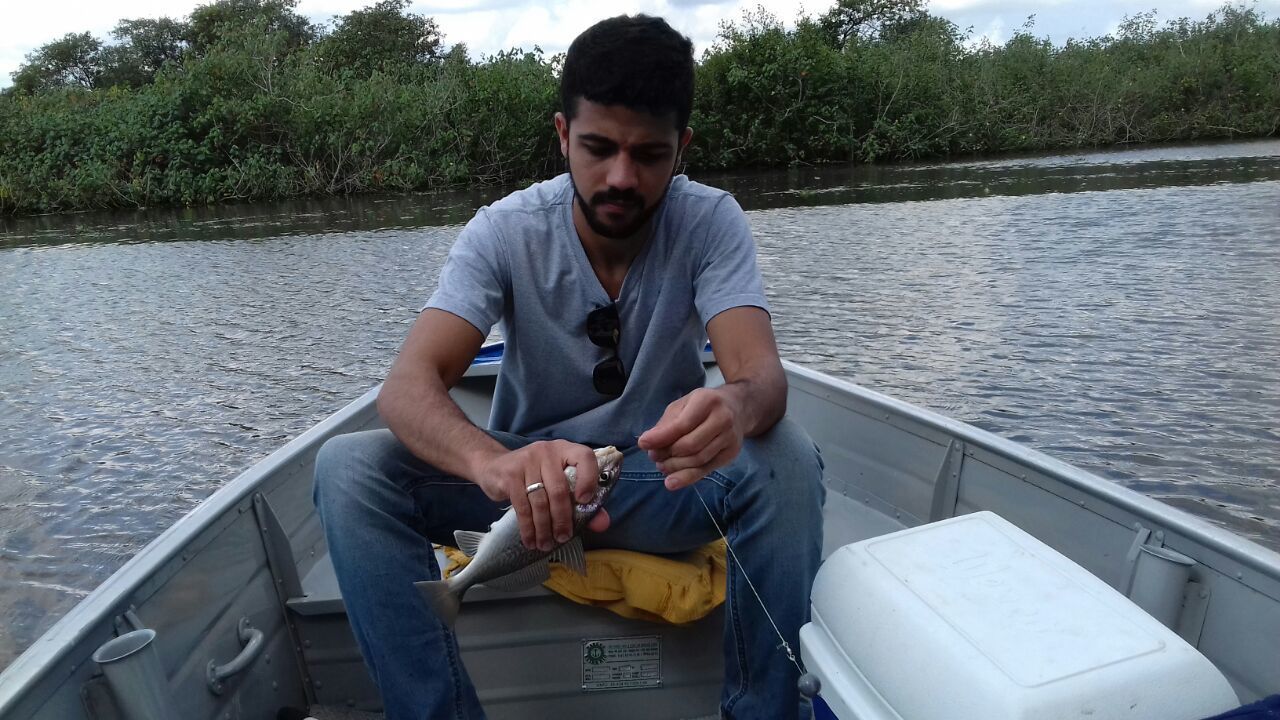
{"x":382,"y":507}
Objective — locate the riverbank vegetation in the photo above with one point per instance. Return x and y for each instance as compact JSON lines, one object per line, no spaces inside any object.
{"x":248,"y":100}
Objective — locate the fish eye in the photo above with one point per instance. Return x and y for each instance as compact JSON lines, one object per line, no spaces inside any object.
{"x":607,"y":476}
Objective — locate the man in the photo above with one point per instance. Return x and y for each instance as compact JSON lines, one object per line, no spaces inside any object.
{"x":606,"y":282}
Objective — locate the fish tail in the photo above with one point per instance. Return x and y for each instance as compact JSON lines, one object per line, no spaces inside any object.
{"x":441,"y":598}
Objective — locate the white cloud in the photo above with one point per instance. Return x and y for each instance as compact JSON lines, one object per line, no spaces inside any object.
{"x":944,"y":6}
{"x":28,"y":25}
{"x":487,"y":26}
{"x":994,"y":33}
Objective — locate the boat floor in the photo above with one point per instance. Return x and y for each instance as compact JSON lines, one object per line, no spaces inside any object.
{"x":328,"y":712}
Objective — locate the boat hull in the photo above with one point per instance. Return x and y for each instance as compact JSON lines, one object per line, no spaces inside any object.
{"x":889,"y":465}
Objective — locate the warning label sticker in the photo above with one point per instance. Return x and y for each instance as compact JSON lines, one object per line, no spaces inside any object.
{"x":621,"y":663}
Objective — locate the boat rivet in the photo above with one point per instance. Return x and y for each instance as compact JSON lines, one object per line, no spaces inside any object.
{"x":306,"y":643}
{"x":318,"y":684}
{"x":1204,"y":594}
{"x":275,"y":685}
{"x":185,"y":557}
{"x":351,"y":702}
{"x":1023,"y":476}
{"x":1239,"y":576}
{"x":267,"y":659}
{"x":1081,"y":503}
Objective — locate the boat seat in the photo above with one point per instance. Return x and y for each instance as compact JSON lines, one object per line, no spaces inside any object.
{"x":321,"y":596}
{"x":320,"y":593}
{"x":677,"y":589}
{"x":516,"y":646}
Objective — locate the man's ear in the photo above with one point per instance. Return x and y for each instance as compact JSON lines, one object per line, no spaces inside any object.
{"x":685,"y":137}
{"x":562,"y":129}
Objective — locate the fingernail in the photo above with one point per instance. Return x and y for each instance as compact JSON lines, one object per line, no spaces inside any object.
{"x":545,"y":547}
{"x":670,"y":483}
{"x":562,"y":538}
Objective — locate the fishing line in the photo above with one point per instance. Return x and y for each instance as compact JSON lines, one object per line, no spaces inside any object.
{"x":808,"y":684}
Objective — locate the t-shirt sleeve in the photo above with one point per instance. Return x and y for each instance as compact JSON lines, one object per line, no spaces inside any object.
{"x":475,"y":277}
{"x":727,"y":275}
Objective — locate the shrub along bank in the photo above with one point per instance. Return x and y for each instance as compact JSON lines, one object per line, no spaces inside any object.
{"x":246,"y":100}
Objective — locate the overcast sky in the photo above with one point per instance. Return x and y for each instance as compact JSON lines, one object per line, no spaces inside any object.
{"x":487,"y":26}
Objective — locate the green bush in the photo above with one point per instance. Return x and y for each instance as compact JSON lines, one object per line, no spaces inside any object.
{"x":248,"y":101}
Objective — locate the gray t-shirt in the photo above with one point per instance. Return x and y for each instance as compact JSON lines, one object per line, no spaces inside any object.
{"x":520,"y":262}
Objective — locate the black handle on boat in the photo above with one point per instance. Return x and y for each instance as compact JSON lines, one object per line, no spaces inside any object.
{"x":253,"y":643}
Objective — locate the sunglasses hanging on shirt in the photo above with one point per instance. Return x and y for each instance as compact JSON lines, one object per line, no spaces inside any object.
{"x":604,"y":329}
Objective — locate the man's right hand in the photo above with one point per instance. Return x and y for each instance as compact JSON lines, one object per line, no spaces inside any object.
{"x":546,"y":515}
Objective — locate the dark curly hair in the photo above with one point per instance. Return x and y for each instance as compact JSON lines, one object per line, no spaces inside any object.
{"x":638,"y":62}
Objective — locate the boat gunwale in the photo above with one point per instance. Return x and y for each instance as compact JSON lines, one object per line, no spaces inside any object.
{"x":43,"y":655}
{"x":1231,"y":545}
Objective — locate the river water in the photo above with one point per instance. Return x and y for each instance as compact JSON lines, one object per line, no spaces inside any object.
{"x":1117,"y":310}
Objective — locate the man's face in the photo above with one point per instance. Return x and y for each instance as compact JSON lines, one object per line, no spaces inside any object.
{"x":621,"y":162}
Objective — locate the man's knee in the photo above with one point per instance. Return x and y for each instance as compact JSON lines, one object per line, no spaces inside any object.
{"x":790,"y":464}
{"x":787,"y":448}
{"x":338,"y":466}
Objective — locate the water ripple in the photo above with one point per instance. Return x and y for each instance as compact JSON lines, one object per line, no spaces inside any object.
{"x":1131,"y":332}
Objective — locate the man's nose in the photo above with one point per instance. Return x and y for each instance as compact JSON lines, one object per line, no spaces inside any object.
{"x":622,"y":173}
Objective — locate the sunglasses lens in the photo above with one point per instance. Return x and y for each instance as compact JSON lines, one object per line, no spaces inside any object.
{"x":603,"y":326}
{"x":609,"y":377}
{"x":604,"y":329}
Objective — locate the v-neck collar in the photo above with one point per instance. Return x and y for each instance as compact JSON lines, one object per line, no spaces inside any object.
{"x":634,"y":272}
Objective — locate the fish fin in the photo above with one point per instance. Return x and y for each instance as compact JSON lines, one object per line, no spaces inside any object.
{"x":441,"y":598}
{"x":522,"y":579}
{"x":468,"y":541}
{"x":570,"y":555}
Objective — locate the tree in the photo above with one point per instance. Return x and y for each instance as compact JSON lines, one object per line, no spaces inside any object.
{"x":143,"y":46}
{"x":211,"y":23}
{"x":925,"y":25}
{"x":852,"y":20}
{"x":379,"y":37}
{"x":74,"y":60}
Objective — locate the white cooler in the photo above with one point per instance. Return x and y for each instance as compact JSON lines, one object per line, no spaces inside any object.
{"x":973,"y":618}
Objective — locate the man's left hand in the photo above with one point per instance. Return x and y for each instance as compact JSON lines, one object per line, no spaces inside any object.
{"x":697,"y":434}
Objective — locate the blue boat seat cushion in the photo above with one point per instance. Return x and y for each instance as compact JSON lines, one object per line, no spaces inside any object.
{"x":1265,"y":709}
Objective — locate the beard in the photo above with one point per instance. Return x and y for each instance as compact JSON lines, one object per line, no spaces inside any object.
{"x":625,"y":198}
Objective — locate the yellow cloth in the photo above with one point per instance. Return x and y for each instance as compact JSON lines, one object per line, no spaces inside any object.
{"x":635,"y":585}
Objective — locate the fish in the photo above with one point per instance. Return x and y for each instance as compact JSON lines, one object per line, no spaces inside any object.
{"x":499,"y":558}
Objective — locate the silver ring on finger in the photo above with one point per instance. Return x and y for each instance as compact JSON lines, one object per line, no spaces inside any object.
{"x":533,"y":488}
